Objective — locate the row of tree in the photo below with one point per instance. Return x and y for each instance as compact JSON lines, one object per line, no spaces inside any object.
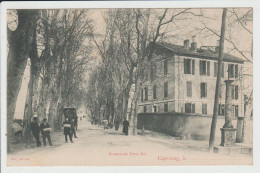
{"x":127,"y":48}
{"x":55,"y":42}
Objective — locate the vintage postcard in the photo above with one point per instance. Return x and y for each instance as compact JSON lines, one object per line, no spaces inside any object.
{"x":154,"y":86}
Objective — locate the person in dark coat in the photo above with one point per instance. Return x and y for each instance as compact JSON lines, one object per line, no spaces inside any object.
{"x":67,"y":130}
{"x":117,"y":124}
{"x":36,"y":131}
{"x":73,"y":128}
{"x":45,"y":131}
{"x":125,"y":126}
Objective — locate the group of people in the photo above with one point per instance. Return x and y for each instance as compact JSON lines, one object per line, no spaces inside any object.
{"x":70,"y":127}
{"x":44,"y":129}
{"x":126,"y":124}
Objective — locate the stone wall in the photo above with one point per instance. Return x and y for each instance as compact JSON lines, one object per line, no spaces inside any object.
{"x":190,"y":126}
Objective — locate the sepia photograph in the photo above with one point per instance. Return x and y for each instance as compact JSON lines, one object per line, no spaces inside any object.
{"x":129,"y":87}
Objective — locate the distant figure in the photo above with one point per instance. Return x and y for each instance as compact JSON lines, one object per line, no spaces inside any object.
{"x":125,"y":126}
{"x":67,"y":130}
{"x":36,"y":131}
{"x":117,"y":124}
{"x":73,"y":128}
{"x":76,"y":123}
{"x":45,"y":131}
{"x":92,"y":120}
{"x":105,"y":123}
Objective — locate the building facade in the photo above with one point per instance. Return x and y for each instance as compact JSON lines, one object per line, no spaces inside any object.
{"x":183,"y":79}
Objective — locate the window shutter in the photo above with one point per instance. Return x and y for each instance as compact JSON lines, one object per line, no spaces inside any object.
{"x":201,"y":90}
{"x":185,"y":66}
{"x":206,"y":90}
{"x":154,"y":92}
{"x":193,"y":108}
{"x":229,"y":70}
{"x":200,"y":67}
{"x":193,"y":66}
{"x":233,"y":92}
{"x":208,"y":68}
{"x":146,"y":93}
{"x":165,"y":89}
{"x":236,"y":92}
{"x":166,"y":67}
{"x":236,"y":71}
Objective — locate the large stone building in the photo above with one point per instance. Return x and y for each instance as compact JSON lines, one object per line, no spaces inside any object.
{"x":183,"y":79}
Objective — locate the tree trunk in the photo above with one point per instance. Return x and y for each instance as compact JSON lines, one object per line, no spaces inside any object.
{"x":136,"y":97}
{"x":218,"y":83}
{"x":20,"y":42}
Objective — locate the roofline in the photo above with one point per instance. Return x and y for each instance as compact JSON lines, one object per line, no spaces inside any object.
{"x":200,"y":56}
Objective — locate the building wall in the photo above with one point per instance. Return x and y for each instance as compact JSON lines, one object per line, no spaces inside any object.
{"x":177,"y":87}
{"x":186,"y":125}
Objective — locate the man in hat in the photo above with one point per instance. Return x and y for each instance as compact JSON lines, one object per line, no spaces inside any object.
{"x":45,"y":131}
{"x":67,"y":130}
{"x":125,"y":126}
{"x":73,"y":128}
{"x":36,"y":131}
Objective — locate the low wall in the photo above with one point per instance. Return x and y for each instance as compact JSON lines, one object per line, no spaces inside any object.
{"x":195,"y":127}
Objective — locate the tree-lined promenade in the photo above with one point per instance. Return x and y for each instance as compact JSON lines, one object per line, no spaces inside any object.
{"x":73,"y":64}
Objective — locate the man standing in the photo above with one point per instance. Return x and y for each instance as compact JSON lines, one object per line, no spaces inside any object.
{"x":125,"y":126}
{"x":117,"y":123}
{"x":73,"y":128}
{"x":36,"y":131}
{"x":45,"y":131}
{"x":67,"y":130}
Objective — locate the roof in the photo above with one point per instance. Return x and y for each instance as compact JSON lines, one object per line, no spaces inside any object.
{"x":199,"y":53}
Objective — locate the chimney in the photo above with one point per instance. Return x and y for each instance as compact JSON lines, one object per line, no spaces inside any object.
{"x":186,"y":44}
{"x":193,"y":44}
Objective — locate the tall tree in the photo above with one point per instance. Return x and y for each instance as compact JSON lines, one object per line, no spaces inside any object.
{"x":20,"y":44}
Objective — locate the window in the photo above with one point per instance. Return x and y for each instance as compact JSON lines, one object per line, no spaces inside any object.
{"x":144,"y":109}
{"x":221,"y":109}
{"x":232,"y":70}
{"x":216,"y":69}
{"x":189,"y":89}
{"x":203,"y":90}
{"x":205,"y":68}
{"x":142,"y":95}
{"x":165,"y":89}
{"x":189,"y":107}
{"x":154,"y":92}
{"x":235,"y":110}
{"x":154,"y":108}
{"x":204,"y":108}
{"x":165,"y":107}
{"x":153,"y":72}
{"x":146,"y":93}
{"x":234,"y":93}
{"x":189,"y":66}
{"x":165,"y":67}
